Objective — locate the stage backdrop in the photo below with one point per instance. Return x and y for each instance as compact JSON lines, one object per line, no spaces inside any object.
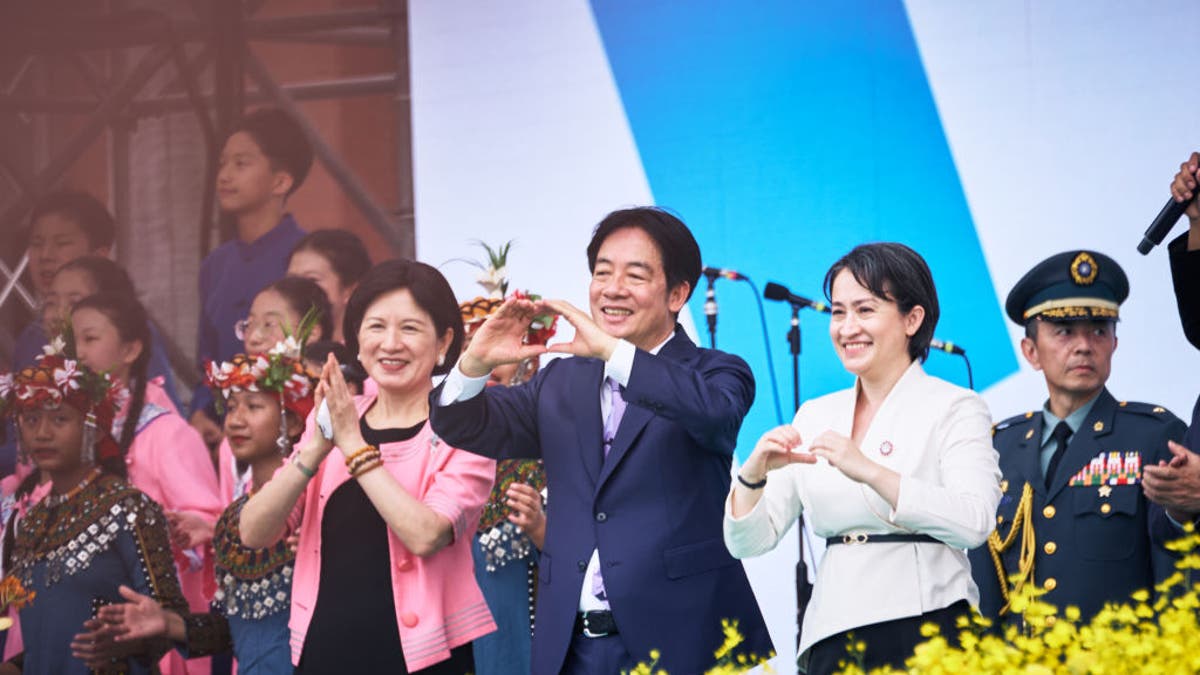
{"x":985,"y":135}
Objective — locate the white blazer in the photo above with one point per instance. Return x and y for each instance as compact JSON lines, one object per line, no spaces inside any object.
{"x":937,"y":436}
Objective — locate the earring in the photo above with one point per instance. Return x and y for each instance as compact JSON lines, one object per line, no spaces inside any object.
{"x":441,"y":359}
{"x":284,"y":442}
{"x":88,"y":453}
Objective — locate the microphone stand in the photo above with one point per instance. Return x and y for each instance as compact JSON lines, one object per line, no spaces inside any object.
{"x":710,"y":309}
{"x":803,"y":588}
{"x":794,"y":347}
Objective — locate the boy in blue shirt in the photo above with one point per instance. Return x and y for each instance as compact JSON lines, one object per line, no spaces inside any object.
{"x":265,"y":159}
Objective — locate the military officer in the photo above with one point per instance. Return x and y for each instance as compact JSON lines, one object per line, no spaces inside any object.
{"x":1073,"y":518}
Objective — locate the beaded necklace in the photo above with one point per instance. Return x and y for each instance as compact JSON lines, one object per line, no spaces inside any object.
{"x":53,"y":500}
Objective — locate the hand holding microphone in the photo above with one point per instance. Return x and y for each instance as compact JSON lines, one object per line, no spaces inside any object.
{"x":1183,"y":193}
{"x":1183,"y":188}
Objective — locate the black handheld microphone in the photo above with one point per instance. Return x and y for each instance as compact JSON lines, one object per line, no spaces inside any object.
{"x":1162,"y":224}
{"x":775,"y":291}
{"x":946,"y":346}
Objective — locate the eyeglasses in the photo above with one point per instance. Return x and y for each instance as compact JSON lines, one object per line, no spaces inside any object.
{"x":247,"y":327}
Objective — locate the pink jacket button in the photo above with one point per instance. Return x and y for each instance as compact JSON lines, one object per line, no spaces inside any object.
{"x":404,"y":564}
{"x":408,"y":619}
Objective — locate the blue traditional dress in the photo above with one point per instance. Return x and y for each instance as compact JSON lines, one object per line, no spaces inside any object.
{"x":74,"y":550}
{"x":254,"y":593}
{"x":505,"y":563}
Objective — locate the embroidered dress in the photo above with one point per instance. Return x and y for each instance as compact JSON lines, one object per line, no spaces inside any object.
{"x":254,"y":593}
{"x":74,"y":551}
{"x":505,"y":566}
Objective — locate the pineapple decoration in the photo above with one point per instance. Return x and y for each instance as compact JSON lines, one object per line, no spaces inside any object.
{"x":494,"y":278}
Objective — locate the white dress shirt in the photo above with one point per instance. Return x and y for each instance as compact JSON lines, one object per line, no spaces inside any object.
{"x":937,"y":436}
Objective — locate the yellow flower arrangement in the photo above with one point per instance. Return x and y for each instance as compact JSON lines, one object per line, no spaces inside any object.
{"x":1150,"y":634}
{"x":727,"y":663}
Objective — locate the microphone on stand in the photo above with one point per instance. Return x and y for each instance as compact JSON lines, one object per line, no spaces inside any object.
{"x":775,"y":291}
{"x":951,"y":348}
{"x":710,"y":312}
{"x":946,"y":346}
{"x":710,"y":297}
{"x":714,"y":272}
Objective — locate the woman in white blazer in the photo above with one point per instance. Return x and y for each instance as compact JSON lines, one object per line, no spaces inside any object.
{"x":898,"y":473}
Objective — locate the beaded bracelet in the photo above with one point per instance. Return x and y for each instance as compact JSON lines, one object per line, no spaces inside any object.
{"x":367,"y":467}
{"x":363,"y":459}
{"x":359,"y":453}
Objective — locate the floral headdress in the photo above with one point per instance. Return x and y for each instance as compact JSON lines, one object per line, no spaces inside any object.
{"x":495,"y":281}
{"x":56,"y":379}
{"x":281,"y":371}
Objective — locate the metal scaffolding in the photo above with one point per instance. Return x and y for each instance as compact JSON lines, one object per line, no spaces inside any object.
{"x":211,"y":47}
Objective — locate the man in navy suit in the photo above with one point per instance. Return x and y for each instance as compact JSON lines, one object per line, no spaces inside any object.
{"x":1176,"y":485}
{"x":637,"y":434}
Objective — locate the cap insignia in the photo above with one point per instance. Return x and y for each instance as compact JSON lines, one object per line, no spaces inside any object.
{"x":1084,"y":269}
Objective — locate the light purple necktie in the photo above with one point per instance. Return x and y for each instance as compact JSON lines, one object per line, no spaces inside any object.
{"x":616,"y":411}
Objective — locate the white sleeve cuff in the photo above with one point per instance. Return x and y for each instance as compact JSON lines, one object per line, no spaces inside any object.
{"x":459,"y":387}
{"x":620,"y":364}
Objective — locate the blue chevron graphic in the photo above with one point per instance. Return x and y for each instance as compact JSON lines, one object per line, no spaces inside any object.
{"x":784,"y":133}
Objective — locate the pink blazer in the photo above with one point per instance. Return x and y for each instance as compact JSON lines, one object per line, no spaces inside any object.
{"x":438,"y":604}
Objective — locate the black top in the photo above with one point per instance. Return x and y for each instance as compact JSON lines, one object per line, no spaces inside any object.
{"x":353,"y":628}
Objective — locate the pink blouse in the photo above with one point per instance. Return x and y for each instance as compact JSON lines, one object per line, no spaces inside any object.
{"x":169,"y":461}
{"x":438,"y":604}
{"x":157,"y":394}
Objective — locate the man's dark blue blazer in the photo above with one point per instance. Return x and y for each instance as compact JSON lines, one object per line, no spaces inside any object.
{"x":1185,"y":273}
{"x":653,"y":507}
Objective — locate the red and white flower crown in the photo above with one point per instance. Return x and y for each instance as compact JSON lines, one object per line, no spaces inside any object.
{"x":54,"y":380}
{"x":280,"y":371}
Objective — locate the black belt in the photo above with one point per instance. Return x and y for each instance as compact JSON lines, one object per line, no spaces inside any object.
{"x":862,"y":538}
{"x":597,"y":623}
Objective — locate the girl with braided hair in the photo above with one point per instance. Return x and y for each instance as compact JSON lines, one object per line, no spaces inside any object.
{"x":165,"y":456}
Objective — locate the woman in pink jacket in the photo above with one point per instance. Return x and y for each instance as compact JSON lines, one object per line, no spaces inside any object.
{"x":165,"y":457}
{"x":395,"y":507}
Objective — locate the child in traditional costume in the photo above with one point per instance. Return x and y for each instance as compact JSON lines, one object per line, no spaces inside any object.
{"x":266,"y":399}
{"x":91,"y":533}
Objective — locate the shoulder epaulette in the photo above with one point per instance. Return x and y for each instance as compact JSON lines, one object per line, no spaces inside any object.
{"x":1013,"y":421}
{"x":1146,"y":409}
